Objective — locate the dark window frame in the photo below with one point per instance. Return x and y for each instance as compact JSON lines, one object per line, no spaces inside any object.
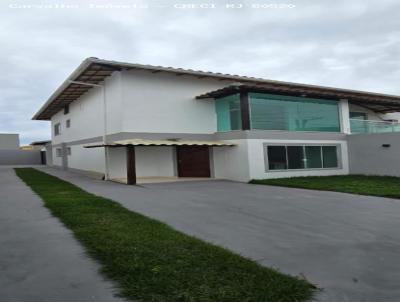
{"x":57,"y":129}
{"x":339,"y":157}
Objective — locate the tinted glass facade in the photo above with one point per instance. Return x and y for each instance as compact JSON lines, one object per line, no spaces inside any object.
{"x":358,"y":115}
{"x":273,"y":112}
{"x":228,"y":113}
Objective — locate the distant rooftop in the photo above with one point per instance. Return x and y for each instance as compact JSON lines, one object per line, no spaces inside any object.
{"x":39,"y":143}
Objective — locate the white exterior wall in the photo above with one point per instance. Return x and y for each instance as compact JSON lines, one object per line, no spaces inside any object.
{"x":117,"y":162}
{"x":369,"y":156}
{"x":246,"y":160}
{"x":89,"y":159}
{"x":165,"y":103}
{"x":136,"y":102}
{"x":232,"y":162}
{"x":86,"y":114}
{"x":140,"y":101}
{"x":154,"y":161}
{"x":57,"y":161}
{"x":145,"y":102}
{"x":150,"y":162}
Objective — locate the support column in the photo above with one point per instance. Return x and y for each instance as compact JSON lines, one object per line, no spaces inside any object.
{"x":344,"y":115}
{"x":245,"y":110}
{"x":64,"y":158}
{"x":130,"y":165}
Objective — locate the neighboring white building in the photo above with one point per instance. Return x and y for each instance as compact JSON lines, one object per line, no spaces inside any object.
{"x":168,"y":122}
{"x":9,"y":141}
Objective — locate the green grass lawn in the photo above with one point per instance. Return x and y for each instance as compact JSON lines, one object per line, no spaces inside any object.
{"x":150,"y":261}
{"x":385,"y":186}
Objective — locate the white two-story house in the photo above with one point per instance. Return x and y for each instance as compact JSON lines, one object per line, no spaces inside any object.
{"x":129,"y":122}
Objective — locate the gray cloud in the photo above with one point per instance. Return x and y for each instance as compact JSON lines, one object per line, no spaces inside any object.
{"x":344,"y":44}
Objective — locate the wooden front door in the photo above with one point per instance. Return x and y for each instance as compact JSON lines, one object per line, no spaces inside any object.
{"x":193,"y":161}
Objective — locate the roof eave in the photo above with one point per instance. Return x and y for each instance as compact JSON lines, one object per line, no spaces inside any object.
{"x":388,"y":104}
{"x":246,"y":81}
{"x":85,"y":63}
{"x":237,"y":78}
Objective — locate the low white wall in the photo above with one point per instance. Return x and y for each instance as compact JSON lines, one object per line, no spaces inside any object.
{"x":88,"y":159}
{"x":368,"y":156}
{"x":20,"y":157}
{"x":257,"y":161}
{"x":154,"y":161}
{"x":232,"y":162}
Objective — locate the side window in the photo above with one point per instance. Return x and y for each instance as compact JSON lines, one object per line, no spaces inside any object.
{"x":69,"y":151}
{"x":68,"y":123}
{"x":66,"y":109}
{"x":58,"y":152}
{"x":57,"y":129}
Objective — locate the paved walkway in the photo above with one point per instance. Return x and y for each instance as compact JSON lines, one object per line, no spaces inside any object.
{"x":40,"y":261}
{"x":347,"y":244}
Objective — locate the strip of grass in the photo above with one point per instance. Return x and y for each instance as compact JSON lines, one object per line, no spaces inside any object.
{"x":385,"y":186}
{"x":150,"y":261}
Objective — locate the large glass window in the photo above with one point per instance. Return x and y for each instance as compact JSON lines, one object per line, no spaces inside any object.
{"x":273,"y":112}
{"x":329,"y":157}
{"x":277,"y":158}
{"x":295,"y":157}
{"x":357,"y":122}
{"x":313,"y":157}
{"x":302,"y":157}
{"x":228,"y":113}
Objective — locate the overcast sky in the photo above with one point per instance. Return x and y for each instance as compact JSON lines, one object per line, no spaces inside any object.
{"x":349,"y":44}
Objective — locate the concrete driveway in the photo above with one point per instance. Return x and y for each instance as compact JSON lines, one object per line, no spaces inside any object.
{"x":346,"y":244}
{"x":39,"y":258}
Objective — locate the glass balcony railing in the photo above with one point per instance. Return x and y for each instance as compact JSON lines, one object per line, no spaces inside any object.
{"x":365,"y":126}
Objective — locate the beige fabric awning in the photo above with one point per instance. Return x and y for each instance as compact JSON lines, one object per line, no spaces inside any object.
{"x":165,"y":142}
